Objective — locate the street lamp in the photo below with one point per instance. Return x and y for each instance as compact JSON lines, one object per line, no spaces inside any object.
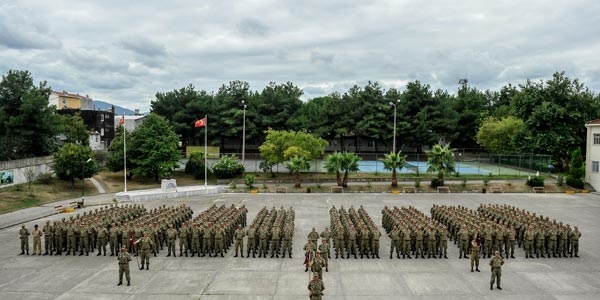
{"x":83,"y":177}
{"x":244,"y":135}
{"x":395,"y":105}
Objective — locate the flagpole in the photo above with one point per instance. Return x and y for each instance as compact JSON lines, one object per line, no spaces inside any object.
{"x":205,"y":149}
{"x":125,"y":156}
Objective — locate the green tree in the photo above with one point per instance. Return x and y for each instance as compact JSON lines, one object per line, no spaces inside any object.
{"x":114,"y":161}
{"x":333,"y":164}
{"x":154,"y":148}
{"x":281,"y":145}
{"x":441,"y":160}
{"x":349,"y":164}
{"x":296,"y":164}
{"x":74,"y":161}
{"x":552,"y":113}
{"x":394,"y":162}
{"x":472,"y":105}
{"x":497,"y":135}
{"x":74,"y":129}
{"x":195,"y":165}
{"x":576,"y":170}
{"x":28,"y":125}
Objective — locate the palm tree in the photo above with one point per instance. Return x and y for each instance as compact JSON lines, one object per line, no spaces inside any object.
{"x":441,"y":160}
{"x":349,"y":163}
{"x":333,"y":163}
{"x":393,"y":162}
{"x":295,"y":165}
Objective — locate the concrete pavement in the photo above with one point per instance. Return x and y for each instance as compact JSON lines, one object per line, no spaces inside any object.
{"x":95,"y":277}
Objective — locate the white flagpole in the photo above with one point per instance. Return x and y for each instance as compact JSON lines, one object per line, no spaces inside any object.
{"x":205,"y":149}
{"x":125,"y":156}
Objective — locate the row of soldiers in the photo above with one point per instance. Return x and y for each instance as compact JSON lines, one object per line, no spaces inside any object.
{"x":83,"y":232}
{"x":272,"y":230}
{"x":411,"y":231}
{"x":466,"y":225}
{"x":537,"y":234}
{"x":211,"y":232}
{"x":354,"y":232}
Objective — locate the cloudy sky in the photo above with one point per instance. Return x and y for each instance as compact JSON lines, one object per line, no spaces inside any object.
{"x":124,"y":52}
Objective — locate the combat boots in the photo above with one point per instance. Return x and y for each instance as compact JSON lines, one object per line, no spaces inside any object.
{"x":22,"y":252}
{"x":99,"y":253}
{"x":185,"y":253}
{"x":498,"y":287}
{"x":236,"y":255}
{"x":120,"y":283}
{"x":147,"y":267}
{"x":128,"y":283}
{"x":46,"y":253}
{"x":142,"y":267}
{"x":477,"y":269}
{"x":491,"y":286}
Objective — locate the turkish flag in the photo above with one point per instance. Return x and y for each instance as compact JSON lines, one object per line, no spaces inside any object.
{"x":200,"y":123}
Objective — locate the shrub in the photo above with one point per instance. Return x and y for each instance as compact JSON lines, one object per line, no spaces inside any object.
{"x":435,"y":183}
{"x":267,"y":167}
{"x":45,"y":178}
{"x":464,"y":182}
{"x":195,"y":165}
{"x":418,"y":182}
{"x":249,"y":181}
{"x":535,"y":181}
{"x":574,"y":182}
{"x":560,"y":180}
{"x":227,"y":167}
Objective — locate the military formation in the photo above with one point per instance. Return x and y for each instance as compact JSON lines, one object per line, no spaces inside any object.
{"x":412,"y":233}
{"x":272,"y":231}
{"x":502,"y":228}
{"x":354,"y":232}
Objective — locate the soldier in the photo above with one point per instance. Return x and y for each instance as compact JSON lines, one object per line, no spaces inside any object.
{"x":58,"y":238}
{"x":114,"y":240}
{"x":575,"y":241}
{"x":288,"y":234}
{"x":48,"y":238}
{"x":83,"y":240}
{"x":103,"y":234}
{"x":406,"y":239}
{"x":375,"y":236}
{"x":326,"y":234}
{"x":314,"y":236}
{"x":443,"y":241}
{"x":339,"y":241}
{"x":275,"y":238}
{"x":395,"y":236}
{"x":528,"y":242}
{"x":351,"y":242}
{"x":510,"y":242}
{"x":251,"y":244}
{"x":475,"y":255}
{"x":496,"y":263}
{"x":317,"y":264}
{"x":196,"y":234}
{"x":364,"y":242}
{"x":263,"y":234}
{"x":316,"y":288}
{"x":309,"y":250}
{"x":37,"y":240}
{"x":124,"y":258}
{"x":239,"y":240}
{"x":171,"y":236}
{"x":183,"y":235}
{"x":24,"y":234}
{"x":145,"y":245}
{"x":419,"y":243}
{"x":464,"y":240}
{"x":324,"y":250}
{"x":219,"y":240}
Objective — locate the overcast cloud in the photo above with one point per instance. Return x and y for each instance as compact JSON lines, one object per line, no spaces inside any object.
{"x":125,"y":51}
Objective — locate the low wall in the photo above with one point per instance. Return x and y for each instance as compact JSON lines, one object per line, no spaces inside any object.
{"x":159,"y":194}
{"x":16,"y":170}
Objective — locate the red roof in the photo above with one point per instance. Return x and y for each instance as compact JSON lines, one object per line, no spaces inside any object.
{"x":593,"y":122}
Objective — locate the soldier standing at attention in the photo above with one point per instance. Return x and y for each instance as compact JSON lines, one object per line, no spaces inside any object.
{"x":124,"y":258}
{"x":324,"y":250}
{"x":171,"y":235}
{"x":326,"y":235}
{"x":288,"y":234}
{"x":219,"y":240}
{"x":314,"y":236}
{"x":475,"y":255}
{"x":395,"y":236}
{"x":250,"y":245}
{"x":103,"y":234}
{"x":24,"y":234}
{"x":37,"y":240}
{"x":239,"y":240}
{"x":48,"y":238}
{"x":575,"y":241}
{"x":316,"y":288}
{"x":263,"y":234}
{"x":496,"y":263}
{"x":145,"y":244}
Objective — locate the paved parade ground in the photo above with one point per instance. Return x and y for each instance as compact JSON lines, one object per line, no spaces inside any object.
{"x":95,"y":277}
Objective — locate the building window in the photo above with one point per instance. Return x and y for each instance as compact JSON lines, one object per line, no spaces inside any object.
{"x":101,"y":131}
{"x":596,"y":138}
{"x":595,"y":166}
{"x":371,"y":143}
{"x":101,"y":117}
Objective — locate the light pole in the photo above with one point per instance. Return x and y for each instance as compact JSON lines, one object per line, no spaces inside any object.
{"x":83,"y":177}
{"x":244,"y":135}
{"x":395,"y":105}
